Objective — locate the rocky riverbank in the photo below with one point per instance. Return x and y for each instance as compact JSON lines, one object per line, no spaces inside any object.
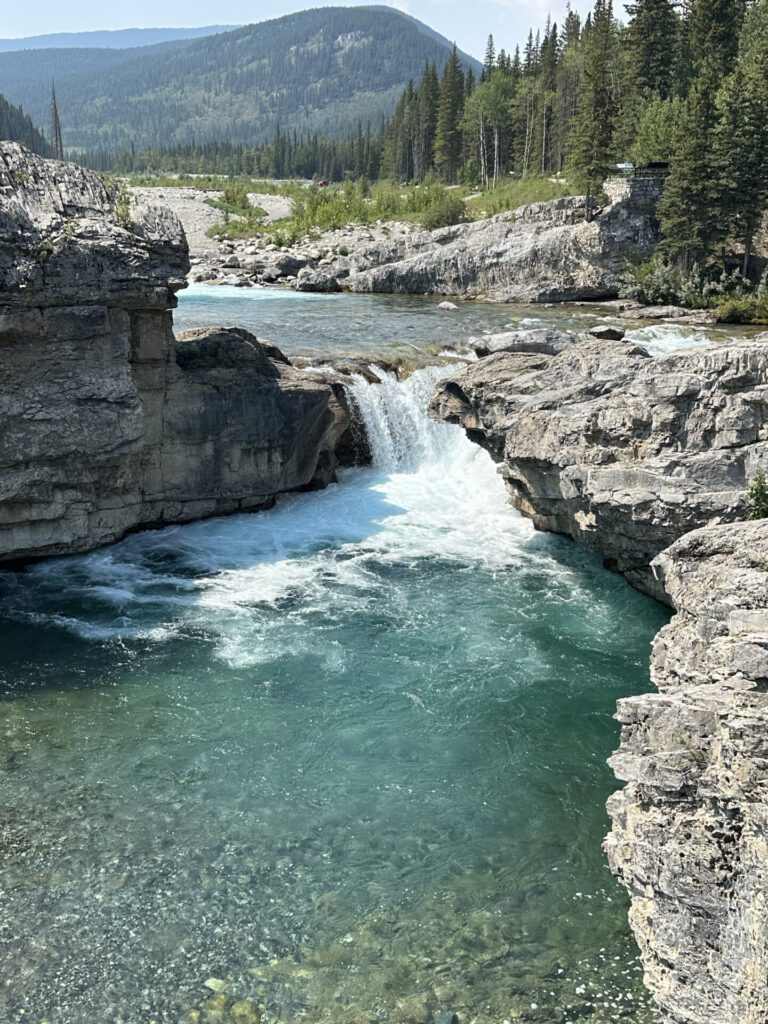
{"x":689,"y":829}
{"x":629,"y":455}
{"x":544,"y":252}
{"x":107,"y":423}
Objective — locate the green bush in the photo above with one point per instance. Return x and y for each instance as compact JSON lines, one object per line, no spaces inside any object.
{"x":758,"y":497}
{"x":659,"y":283}
{"x":445,"y":210}
{"x":748,"y":309}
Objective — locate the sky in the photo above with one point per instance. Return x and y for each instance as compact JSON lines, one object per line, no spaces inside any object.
{"x":468,"y":22}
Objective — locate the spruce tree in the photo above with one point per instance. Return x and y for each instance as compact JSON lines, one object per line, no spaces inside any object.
{"x":490,"y":59}
{"x":741,"y":138}
{"x":688,"y":212}
{"x":713,"y":34}
{"x":592,"y":139}
{"x":448,"y":138}
{"x":652,"y":46}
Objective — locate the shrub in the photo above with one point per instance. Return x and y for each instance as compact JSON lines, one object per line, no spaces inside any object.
{"x":758,"y":497}
{"x":445,"y":210}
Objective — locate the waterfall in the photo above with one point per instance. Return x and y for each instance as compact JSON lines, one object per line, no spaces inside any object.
{"x":400,"y":434}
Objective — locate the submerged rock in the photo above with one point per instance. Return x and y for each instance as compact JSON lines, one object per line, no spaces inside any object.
{"x":544,"y":252}
{"x":106,"y":423}
{"x":619,"y":451}
{"x":689,"y":830}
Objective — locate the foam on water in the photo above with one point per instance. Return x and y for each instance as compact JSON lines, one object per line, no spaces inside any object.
{"x":660,"y":339}
{"x":430,"y":493}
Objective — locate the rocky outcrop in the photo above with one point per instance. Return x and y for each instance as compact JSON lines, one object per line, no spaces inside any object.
{"x":621,"y":452}
{"x":690,"y":830}
{"x":544,"y":252}
{"x":629,"y":455}
{"x":106,"y":423}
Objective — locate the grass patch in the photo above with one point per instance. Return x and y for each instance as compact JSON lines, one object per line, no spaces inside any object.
{"x":515,"y":192}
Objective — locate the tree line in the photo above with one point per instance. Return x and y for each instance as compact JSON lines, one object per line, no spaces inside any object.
{"x":683,"y":83}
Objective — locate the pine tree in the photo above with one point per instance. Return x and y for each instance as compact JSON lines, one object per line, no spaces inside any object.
{"x":57,"y":146}
{"x":591,"y":144}
{"x":688,"y":211}
{"x":740,"y":138}
{"x":448,"y":138}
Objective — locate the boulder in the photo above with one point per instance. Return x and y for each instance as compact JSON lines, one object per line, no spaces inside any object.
{"x":546,"y":340}
{"x":607,"y":333}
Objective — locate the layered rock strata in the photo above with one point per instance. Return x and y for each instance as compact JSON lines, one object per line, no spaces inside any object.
{"x":628,"y":455}
{"x":620,"y":451}
{"x":544,"y":252}
{"x":107,"y":424}
{"x":690,"y":830}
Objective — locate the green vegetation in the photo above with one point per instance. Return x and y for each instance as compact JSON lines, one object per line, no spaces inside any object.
{"x":15,"y":126}
{"x":355,"y":202}
{"x":758,"y":497}
{"x":314,"y":71}
{"x":512,"y":193}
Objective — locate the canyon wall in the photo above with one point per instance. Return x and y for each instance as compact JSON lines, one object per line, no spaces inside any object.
{"x":648,"y":461}
{"x":690,"y":830}
{"x":620,"y":451}
{"x":107,"y":423}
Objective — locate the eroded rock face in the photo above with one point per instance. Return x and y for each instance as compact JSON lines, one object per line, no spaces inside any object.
{"x":690,"y":830}
{"x":544,"y":252}
{"x":621,"y":452}
{"x":106,"y":423}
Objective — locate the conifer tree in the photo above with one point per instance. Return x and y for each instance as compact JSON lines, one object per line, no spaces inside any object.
{"x":448,"y":138}
{"x":490,"y":59}
{"x":741,"y":135}
{"x":688,"y":211}
{"x":591,"y":146}
{"x":652,"y":45}
{"x":57,"y":146}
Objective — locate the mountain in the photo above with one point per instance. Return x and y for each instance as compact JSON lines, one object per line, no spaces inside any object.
{"x":119,"y":39}
{"x":15,"y":126}
{"x":321,"y":70}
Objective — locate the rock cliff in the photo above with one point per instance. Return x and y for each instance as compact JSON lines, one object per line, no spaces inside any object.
{"x":544,"y":252}
{"x":690,"y":830}
{"x":629,"y":455}
{"x":622,"y":452}
{"x":106,"y":423}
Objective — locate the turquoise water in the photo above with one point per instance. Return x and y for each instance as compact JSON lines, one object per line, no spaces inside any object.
{"x":343,"y":760}
{"x":334,"y":326}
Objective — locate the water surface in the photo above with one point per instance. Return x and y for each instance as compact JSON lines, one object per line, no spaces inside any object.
{"x":344,"y":760}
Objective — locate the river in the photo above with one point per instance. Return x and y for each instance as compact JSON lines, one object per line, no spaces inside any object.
{"x":343,"y":760}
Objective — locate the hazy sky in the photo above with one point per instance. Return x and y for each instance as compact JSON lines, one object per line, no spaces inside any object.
{"x":466,"y":21}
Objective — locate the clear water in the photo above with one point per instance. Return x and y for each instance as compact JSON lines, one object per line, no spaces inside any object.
{"x":344,"y":760}
{"x":333,"y":326}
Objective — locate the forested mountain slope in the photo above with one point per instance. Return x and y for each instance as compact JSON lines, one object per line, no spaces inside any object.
{"x":16,"y":126}
{"x":118,"y":39}
{"x":321,"y":70}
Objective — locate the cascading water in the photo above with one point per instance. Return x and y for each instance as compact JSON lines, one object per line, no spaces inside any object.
{"x":346,"y":757}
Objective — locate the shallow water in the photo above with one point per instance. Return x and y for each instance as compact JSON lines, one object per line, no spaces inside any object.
{"x":345,"y":758}
{"x":333,"y":326}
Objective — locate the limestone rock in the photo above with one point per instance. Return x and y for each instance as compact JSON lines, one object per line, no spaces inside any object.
{"x":538,"y":253}
{"x":690,"y":829}
{"x":607,"y":333}
{"x":546,"y":340}
{"x":106,"y":423}
{"x":619,"y":451}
